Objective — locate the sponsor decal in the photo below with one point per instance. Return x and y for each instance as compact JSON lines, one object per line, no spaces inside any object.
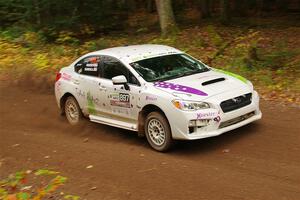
{"x":152,"y":55}
{"x":179,"y":88}
{"x":80,"y":93}
{"x":217,"y":119}
{"x":58,"y":87}
{"x":149,"y":98}
{"x":208,"y":115}
{"x":120,"y":100}
{"x":211,"y":114}
{"x":66,"y":77}
{"x":89,"y":69}
{"x":91,"y":104}
{"x":92,"y":65}
{"x":95,"y":59}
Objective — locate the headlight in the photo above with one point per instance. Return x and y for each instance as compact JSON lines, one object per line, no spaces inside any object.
{"x":190,"y":105}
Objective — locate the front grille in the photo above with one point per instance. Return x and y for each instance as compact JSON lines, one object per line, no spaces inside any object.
{"x":236,"y":102}
{"x":236,"y":120}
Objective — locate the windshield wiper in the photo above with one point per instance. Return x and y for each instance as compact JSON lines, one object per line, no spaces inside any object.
{"x":188,"y":73}
{"x":165,"y":78}
{"x":181,"y":75}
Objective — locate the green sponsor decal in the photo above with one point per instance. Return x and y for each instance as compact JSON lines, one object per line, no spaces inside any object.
{"x":91,"y":105}
{"x":232,"y":74}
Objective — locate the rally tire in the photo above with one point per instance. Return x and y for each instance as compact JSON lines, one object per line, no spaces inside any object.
{"x":158,"y":132}
{"x":72,"y":111}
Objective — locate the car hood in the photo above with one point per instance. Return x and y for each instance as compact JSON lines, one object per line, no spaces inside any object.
{"x":203,"y":85}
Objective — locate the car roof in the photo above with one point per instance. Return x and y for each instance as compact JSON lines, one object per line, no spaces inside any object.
{"x":133,"y":53}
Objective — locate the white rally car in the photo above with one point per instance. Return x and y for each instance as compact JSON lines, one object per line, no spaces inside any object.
{"x":157,"y":91}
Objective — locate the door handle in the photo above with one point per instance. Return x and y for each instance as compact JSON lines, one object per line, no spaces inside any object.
{"x":102,"y":88}
{"x":76,"y":82}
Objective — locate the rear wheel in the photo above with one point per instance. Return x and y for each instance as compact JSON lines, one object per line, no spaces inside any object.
{"x":158,"y":132}
{"x":72,"y":111}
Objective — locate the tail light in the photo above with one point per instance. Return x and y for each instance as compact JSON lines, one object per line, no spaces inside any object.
{"x":58,"y":75}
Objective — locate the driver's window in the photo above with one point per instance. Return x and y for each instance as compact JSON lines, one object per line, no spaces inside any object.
{"x":89,"y":66}
{"x":112,"y":67}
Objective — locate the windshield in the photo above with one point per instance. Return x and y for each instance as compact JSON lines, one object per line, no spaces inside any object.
{"x":168,"y":67}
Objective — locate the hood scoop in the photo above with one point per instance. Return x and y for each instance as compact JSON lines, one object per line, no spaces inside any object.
{"x":213,"y":81}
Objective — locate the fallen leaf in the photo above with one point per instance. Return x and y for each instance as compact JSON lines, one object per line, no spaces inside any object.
{"x":11,"y":197}
{"x":94,"y":188}
{"x":26,"y":188}
{"x":226,"y":151}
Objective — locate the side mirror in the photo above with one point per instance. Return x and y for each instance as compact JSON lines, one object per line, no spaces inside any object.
{"x":120,"y":80}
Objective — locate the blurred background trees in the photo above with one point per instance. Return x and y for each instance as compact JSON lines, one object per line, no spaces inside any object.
{"x":107,"y":15}
{"x":258,"y":39}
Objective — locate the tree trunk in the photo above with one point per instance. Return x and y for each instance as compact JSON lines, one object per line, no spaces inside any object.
{"x":259,"y":7}
{"x":37,"y":12}
{"x":150,"y":7}
{"x":225,"y":9}
{"x":166,"y":16}
{"x":205,"y":6}
{"x":132,"y":5}
{"x":240,"y":7}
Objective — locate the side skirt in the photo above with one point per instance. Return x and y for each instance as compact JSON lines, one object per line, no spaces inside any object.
{"x":114,"y":122}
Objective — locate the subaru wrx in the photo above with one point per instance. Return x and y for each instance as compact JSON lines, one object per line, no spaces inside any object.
{"x":157,"y":91}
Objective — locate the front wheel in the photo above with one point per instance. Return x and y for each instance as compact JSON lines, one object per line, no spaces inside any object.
{"x":72,"y":111}
{"x":158,"y":132}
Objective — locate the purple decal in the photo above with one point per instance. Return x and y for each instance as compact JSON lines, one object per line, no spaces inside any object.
{"x":217,"y":119}
{"x":206,"y":115}
{"x":151,"y":98}
{"x":180,"y":88}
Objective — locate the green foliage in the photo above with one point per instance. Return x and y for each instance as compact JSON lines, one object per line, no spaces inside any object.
{"x":213,"y":34}
{"x":43,"y":172}
{"x":12,"y":33}
{"x":171,"y":40}
{"x":72,"y":197}
{"x":67,"y":37}
{"x":62,"y":15}
{"x":96,"y":45}
{"x":14,"y":187}
{"x":278,"y":58}
{"x":41,"y":61}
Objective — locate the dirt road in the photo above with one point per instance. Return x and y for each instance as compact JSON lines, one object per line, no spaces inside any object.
{"x":259,"y":161}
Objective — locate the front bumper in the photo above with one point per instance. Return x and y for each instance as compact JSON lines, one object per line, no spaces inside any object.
{"x":214,"y":121}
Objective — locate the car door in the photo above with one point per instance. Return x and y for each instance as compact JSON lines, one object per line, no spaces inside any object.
{"x":120,"y":102}
{"x":88,"y":90}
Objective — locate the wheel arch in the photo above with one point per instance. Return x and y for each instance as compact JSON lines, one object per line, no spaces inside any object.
{"x":62,"y":101}
{"x":143,"y":114}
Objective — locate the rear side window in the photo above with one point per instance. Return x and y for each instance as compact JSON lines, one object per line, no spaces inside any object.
{"x":89,"y":66}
